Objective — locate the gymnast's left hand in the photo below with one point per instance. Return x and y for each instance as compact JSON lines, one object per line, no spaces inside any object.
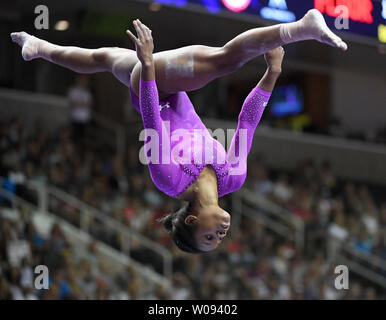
{"x":143,"y":44}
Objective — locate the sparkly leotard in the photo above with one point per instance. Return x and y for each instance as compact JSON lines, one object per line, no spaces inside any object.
{"x":175,"y":176}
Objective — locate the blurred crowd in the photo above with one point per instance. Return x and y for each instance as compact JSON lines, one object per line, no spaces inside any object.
{"x":253,"y":263}
{"x":75,"y":272}
{"x":347,"y":211}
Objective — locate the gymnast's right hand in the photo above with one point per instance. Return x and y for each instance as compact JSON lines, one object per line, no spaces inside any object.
{"x":143,"y":44}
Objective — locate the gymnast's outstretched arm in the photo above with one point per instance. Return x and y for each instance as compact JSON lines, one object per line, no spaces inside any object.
{"x":163,"y":174}
{"x":249,"y":118}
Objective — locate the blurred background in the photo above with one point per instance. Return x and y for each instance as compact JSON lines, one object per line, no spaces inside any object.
{"x":74,"y":196}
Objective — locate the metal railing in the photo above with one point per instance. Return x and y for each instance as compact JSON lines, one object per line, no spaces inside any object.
{"x":16,"y":200}
{"x":271,"y":215}
{"x":284,"y":149}
{"x":286,"y":224}
{"x":46,"y":194}
{"x":54,"y":112}
{"x":367,"y":265}
{"x":119,"y":134}
{"x":84,"y":237}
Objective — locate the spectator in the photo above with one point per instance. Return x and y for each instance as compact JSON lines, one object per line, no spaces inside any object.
{"x":254,"y":263}
{"x":81,"y":101}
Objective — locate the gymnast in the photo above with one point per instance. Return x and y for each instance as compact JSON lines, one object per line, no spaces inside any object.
{"x":162,"y":79}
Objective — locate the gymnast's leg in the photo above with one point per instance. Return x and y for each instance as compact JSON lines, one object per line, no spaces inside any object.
{"x":118,"y":61}
{"x":190,"y":68}
{"x":183,"y":69}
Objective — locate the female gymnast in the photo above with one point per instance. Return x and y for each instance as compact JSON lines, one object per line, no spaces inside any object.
{"x":200,"y":225}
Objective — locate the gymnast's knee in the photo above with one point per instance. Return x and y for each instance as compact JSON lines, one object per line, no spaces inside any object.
{"x":102,"y":57}
{"x":226,"y":60}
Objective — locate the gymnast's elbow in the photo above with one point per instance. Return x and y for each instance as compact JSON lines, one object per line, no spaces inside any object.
{"x":236,"y":181}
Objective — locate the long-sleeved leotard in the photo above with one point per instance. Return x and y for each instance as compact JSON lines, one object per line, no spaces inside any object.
{"x":180,"y":146}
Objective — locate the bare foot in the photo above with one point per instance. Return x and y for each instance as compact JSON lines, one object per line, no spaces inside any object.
{"x":29,"y":44}
{"x":315,"y":25}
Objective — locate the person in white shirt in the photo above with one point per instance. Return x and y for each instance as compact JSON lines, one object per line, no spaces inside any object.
{"x":81,"y":101}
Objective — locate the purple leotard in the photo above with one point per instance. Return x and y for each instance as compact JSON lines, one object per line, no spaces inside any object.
{"x":175,"y":177}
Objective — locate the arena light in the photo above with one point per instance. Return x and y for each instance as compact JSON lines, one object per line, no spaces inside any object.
{"x":236,"y":5}
{"x":384,"y":9}
{"x":62,"y":25}
{"x":279,"y":4}
{"x":155,"y":6}
{"x":277,"y":10}
{"x":359,"y":10}
{"x":382,"y":33}
{"x":278,"y":15}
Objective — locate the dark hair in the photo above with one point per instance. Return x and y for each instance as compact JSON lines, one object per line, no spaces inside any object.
{"x":182,"y":233}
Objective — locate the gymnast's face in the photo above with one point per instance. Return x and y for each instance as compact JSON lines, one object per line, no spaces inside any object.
{"x":212,"y":224}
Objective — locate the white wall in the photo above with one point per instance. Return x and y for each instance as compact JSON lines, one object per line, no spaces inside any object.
{"x":52,"y":111}
{"x":359,"y":100}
